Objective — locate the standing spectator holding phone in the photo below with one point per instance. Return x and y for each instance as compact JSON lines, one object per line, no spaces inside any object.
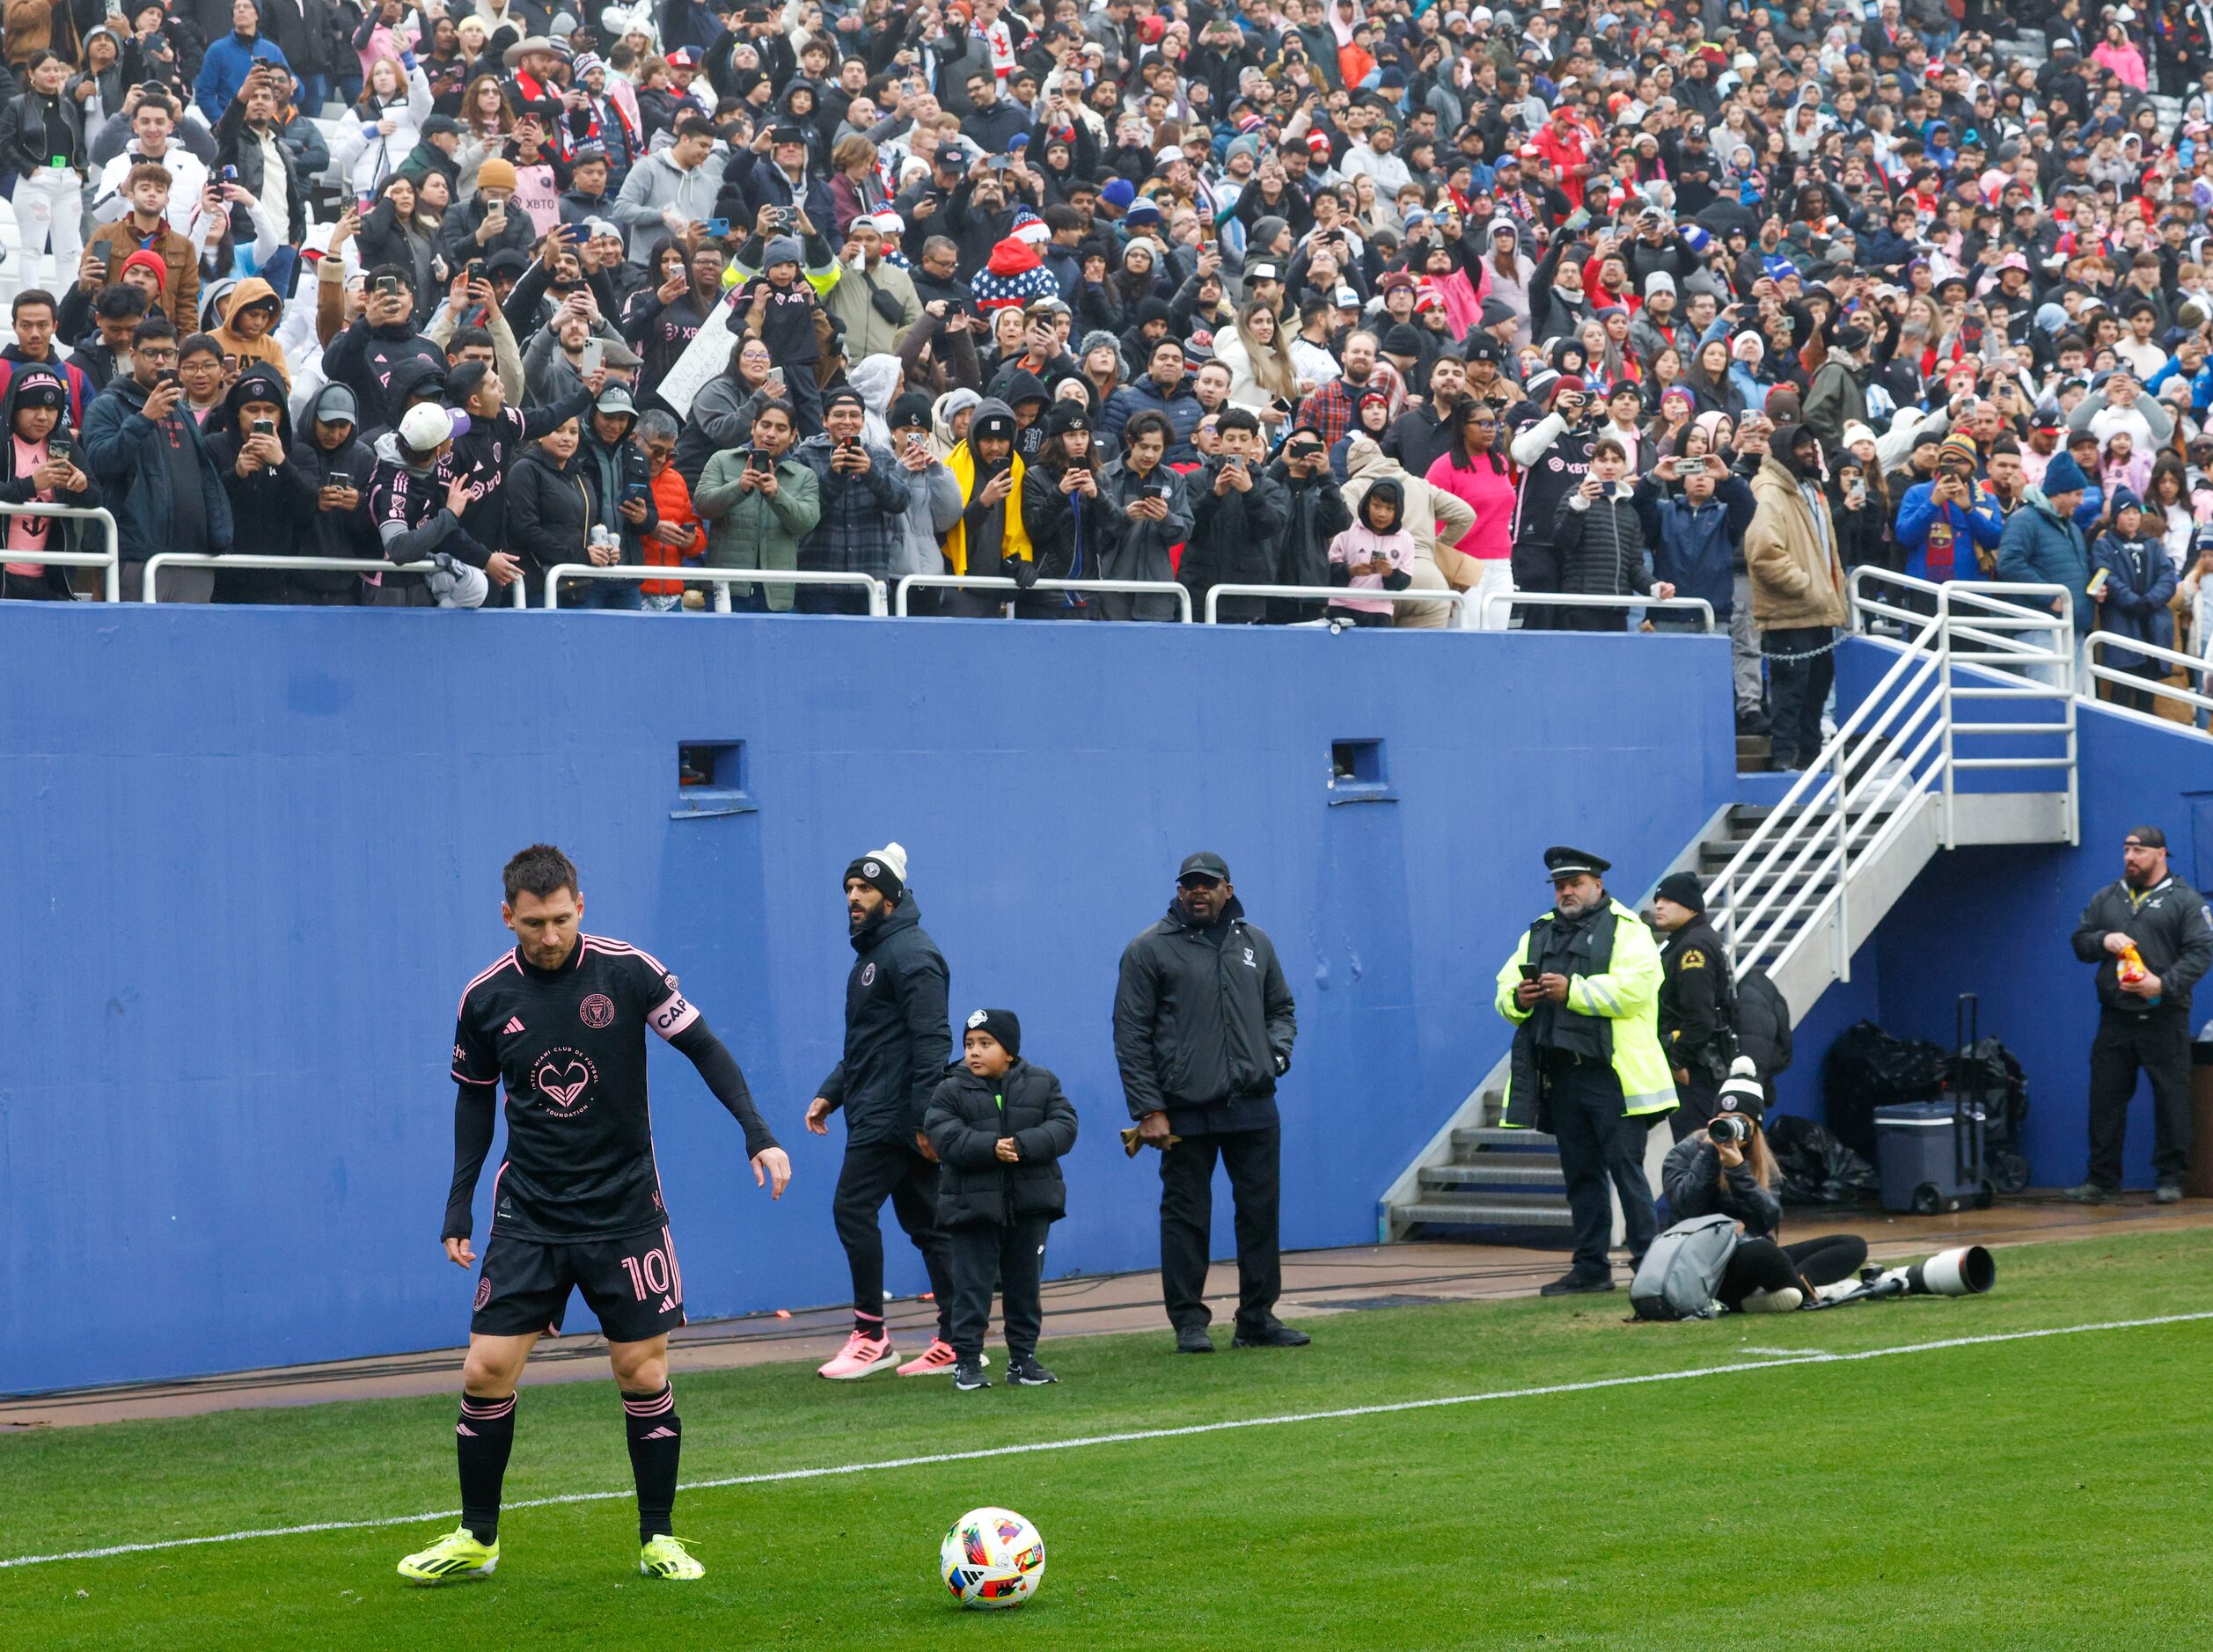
{"x":1152,"y":516}
{"x":1553,"y":448}
{"x":1602,"y":543}
{"x":152,"y":466}
{"x":330,"y":455}
{"x":864,"y":499}
{"x":759,"y":502}
{"x":1697,"y":536}
{"x":1950,"y":524}
{"x":1240,"y":513}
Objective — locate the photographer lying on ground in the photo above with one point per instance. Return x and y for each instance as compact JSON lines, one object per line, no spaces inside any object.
{"x":1727,"y":1169}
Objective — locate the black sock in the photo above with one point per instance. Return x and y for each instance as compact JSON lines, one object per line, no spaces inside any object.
{"x":482,"y":1440}
{"x":657,"y":1439}
{"x":869,"y":1324}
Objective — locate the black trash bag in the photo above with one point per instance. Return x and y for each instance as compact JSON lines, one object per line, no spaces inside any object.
{"x":1815,"y":1167}
{"x":1868,"y":1068}
{"x":1986,"y":1072}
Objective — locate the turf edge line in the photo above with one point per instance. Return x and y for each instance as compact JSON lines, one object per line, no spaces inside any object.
{"x":1811,"y":1356}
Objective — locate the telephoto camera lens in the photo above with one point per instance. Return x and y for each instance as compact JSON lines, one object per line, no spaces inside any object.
{"x":1731,"y":1128}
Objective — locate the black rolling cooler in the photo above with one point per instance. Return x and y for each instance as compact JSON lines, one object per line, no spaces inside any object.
{"x":1931,"y":1156}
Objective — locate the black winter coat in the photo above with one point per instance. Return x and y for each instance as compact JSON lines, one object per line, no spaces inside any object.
{"x":898,"y":1037}
{"x":1058,"y":552}
{"x":2173,"y":935}
{"x":550,"y":511}
{"x":1314,"y":514}
{"x":1601,"y":547}
{"x":269,"y":506}
{"x":1232,"y":540}
{"x":967,"y":1117}
{"x":1203,"y":1024}
{"x":1698,"y":1184}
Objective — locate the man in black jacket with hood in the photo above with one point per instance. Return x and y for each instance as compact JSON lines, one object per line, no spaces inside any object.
{"x":1203,"y":1028}
{"x":1315,"y":513}
{"x":898,"y":1042}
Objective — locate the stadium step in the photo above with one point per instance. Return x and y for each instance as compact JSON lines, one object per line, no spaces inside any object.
{"x":1475,"y":1180}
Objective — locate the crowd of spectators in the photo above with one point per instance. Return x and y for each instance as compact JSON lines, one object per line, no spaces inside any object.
{"x":1704,"y":299}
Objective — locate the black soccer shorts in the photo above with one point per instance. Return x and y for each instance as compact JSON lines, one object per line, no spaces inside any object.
{"x":632,"y":1284}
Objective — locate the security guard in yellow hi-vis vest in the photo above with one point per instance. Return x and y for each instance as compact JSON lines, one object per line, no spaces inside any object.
{"x":1583,"y":992}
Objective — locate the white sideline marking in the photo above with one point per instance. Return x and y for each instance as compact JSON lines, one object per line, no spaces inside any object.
{"x":1811,"y":1357}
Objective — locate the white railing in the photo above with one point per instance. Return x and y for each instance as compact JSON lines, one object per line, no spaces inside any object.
{"x":108,"y":561}
{"x":1896,"y":753}
{"x":163,"y":559}
{"x":2194,"y":669}
{"x":711,"y":576}
{"x":1509,"y":599}
{"x":1456,"y":600}
{"x":993,"y":582}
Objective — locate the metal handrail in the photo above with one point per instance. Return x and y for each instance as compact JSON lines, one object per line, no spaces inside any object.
{"x":1324,"y":593}
{"x":1562,"y":599}
{"x":109,"y":559}
{"x":1828,"y":820}
{"x":2095,"y":645}
{"x":995,"y":582}
{"x":312,"y":565}
{"x":555,"y":574}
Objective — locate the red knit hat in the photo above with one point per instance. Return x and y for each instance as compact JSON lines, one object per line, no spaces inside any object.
{"x":146,"y":257}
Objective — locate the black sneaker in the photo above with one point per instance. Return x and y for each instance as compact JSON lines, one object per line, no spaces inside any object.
{"x":1193,"y":1339}
{"x":968,"y":1375}
{"x":2093,"y":1192}
{"x":1275,"y":1334}
{"x":1577,"y":1285}
{"x":1024,"y":1371}
{"x":2170,"y":1191}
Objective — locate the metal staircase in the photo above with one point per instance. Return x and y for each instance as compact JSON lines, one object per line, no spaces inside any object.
{"x":1969,"y":737}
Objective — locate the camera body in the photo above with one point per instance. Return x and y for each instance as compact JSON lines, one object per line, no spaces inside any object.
{"x":1732,"y":1128}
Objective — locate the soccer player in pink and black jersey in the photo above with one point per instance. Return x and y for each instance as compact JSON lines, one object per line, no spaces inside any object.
{"x":560,"y":1023}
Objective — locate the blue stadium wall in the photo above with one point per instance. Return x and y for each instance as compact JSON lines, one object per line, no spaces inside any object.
{"x":254,"y":855}
{"x":1998,"y":922}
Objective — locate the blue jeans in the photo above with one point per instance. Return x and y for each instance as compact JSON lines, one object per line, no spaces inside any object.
{"x":314,"y":92}
{"x":614,"y":594}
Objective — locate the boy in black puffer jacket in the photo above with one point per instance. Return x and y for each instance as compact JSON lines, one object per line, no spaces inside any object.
{"x":1000,"y":1129}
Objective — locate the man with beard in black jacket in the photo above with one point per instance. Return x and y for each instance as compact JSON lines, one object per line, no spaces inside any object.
{"x":897,"y":1043}
{"x":1203,"y":1028}
{"x":1315,"y":513}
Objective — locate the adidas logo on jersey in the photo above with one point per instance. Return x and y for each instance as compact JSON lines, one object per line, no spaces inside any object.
{"x":668,"y":1304}
{"x":514,"y":1025}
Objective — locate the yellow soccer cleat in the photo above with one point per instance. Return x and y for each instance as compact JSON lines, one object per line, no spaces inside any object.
{"x":664,"y":1557}
{"x":457,"y":1557}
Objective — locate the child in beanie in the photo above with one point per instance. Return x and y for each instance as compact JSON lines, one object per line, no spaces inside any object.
{"x":1000,"y":1127}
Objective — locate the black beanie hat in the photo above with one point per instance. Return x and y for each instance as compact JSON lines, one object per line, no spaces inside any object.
{"x":884,"y":868}
{"x":1684,"y":889}
{"x":1001,"y":1024}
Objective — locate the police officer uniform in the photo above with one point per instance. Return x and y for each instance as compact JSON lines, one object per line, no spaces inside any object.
{"x":1697,"y":1009}
{"x":2173,"y":933}
{"x":1590,"y":1070}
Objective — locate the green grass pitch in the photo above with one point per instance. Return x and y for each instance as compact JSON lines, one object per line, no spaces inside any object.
{"x":2044,"y":1492}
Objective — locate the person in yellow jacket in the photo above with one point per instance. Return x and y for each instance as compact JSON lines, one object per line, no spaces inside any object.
{"x":1582,"y":990}
{"x":989,"y":540}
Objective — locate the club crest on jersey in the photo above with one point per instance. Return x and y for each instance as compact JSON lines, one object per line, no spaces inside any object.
{"x":868,"y":974}
{"x":599,"y":1010}
{"x":562,"y":1077}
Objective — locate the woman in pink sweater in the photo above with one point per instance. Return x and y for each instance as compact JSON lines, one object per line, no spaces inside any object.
{"x":2115,"y":52}
{"x":1475,"y":470}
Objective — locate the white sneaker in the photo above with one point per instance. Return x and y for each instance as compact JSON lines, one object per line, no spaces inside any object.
{"x":1784,"y":1301}
{"x":1836,"y":1292}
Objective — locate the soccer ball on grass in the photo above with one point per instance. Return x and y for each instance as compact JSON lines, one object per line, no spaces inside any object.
{"x":991,"y":1557}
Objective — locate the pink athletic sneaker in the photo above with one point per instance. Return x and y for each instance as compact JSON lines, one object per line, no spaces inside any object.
{"x":939,"y":1356}
{"x":861,"y":1357}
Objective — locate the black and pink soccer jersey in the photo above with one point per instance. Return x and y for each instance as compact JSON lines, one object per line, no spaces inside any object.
{"x":568,"y":1047}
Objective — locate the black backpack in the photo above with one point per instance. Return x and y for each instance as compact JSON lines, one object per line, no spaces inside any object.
{"x":1763,"y":1023}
